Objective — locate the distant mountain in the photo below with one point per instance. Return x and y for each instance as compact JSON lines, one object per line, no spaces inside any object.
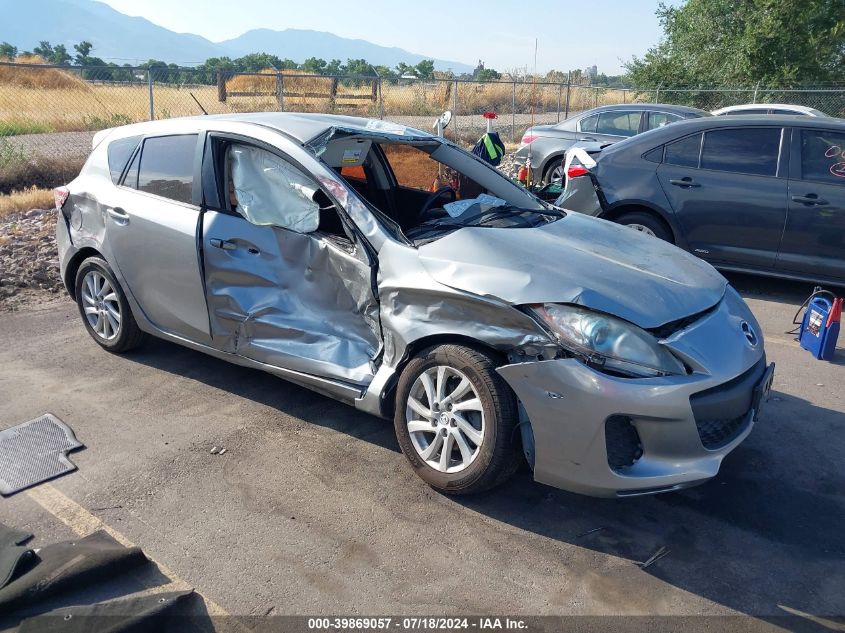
{"x":113,"y":34}
{"x":298,"y":45}
{"x":120,"y":38}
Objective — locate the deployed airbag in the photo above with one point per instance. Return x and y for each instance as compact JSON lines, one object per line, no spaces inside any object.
{"x":270,"y":191}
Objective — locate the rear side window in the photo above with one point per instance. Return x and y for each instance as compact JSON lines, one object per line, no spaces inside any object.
{"x":619,"y":123}
{"x":823,"y":156}
{"x":167,"y":167}
{"x":659,"y":119}
{"x":742,"y":150}
{"x":684,"y":152}
{"x":119,"y":153}
{"x":588,"y":124}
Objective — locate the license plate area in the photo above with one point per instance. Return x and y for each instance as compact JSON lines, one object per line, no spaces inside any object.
{"x":762,"y":389}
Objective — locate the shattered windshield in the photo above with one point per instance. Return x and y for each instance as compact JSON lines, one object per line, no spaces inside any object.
{"x":427,"y":187}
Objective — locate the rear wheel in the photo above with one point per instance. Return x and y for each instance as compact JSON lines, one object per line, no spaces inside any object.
{"x":554,"y":171}
{"x":104,"y":309}
{"x":645,"y":223}
{"x":455,"y":420}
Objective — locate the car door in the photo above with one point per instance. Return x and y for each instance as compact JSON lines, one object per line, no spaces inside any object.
{"x":151,"y":230}
{"x":726,"y":190}
{"x":288,"y":282}
{"x":814,"y":236}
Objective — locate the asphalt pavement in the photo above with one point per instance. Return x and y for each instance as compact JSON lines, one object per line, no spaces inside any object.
{"x":312,"y":509}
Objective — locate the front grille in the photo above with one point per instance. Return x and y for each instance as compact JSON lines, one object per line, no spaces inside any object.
{"x":622,"y":442}
{"x":717,"y":433}
{"x":722,"y":412}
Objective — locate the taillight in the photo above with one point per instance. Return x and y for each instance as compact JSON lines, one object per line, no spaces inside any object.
{"x":576,"y":170}
{"x":527,"y":138}
{"x":60,"y":196}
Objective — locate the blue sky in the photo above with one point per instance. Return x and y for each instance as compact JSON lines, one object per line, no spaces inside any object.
{"x":501,"y":32}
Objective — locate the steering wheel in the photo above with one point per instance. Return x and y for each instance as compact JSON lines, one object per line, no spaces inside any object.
{"x":432,"y":198}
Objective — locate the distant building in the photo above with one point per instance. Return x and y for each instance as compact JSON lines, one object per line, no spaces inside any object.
{"x":591,"y":71}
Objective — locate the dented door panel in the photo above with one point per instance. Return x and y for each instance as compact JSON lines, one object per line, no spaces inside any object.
{"x":290,"y":300}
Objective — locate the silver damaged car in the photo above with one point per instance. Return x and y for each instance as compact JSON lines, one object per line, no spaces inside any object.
{"x":394,"y":271}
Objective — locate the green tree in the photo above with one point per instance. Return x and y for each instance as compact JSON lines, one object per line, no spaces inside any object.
{"x":425,"y":69}
{"x":404,"y":69}
{"x":314,"y":65}
{"x":742,"y":42}
{"x":358,"y":68}
{"x":488,"y":74}
{"x":82,"y":52}
{"x":8,"y":51}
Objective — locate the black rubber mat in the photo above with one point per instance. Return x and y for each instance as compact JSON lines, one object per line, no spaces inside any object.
{"x":35,"y":451}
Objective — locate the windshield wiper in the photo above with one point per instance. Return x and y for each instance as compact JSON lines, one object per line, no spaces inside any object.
{"x":489,"y":215}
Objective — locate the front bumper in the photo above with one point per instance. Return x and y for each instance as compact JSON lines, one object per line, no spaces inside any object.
{"x":606,"y":436}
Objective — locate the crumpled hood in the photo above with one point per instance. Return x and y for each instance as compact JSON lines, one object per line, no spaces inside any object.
{"x":579,"y":260}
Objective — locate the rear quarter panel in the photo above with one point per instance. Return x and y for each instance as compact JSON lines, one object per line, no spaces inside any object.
{"x":628,"y":180}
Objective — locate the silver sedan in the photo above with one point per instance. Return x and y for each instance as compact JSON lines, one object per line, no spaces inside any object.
{"x":545,"y":146}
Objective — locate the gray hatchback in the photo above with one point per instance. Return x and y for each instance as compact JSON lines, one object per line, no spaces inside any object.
{"x":546,"y":145}
{"x":487,"y":323}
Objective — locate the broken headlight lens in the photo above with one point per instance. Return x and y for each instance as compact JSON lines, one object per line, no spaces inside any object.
{"x":608,"y":343}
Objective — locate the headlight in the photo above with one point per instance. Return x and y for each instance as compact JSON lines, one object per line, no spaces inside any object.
{"x":607,"y":342}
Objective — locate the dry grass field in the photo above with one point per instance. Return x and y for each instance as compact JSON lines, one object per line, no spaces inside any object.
{"x":37,"y":100}
{"x":32,"y":198}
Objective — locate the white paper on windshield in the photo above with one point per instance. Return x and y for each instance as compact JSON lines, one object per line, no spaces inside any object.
{"x":485,"y":201}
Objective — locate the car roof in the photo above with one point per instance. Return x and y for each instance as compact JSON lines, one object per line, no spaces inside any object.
{"x":662,"y":107}
{"x":301,"y":126}
{"x":766,"y":106}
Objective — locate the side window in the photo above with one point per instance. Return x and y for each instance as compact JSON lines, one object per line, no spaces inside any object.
{"x":119,"y":152}
{"x":412,"y":167}
{"x":823,"y":156}
{"x":588,"y":124}
{"x":167,"y":166}
{"x":619,"y":123}
{"x":269,"y":191}
{"x":742,"y":150}
{"x":659,"y":119}
{"x":684,"y":152}
{"x":131,"y":177}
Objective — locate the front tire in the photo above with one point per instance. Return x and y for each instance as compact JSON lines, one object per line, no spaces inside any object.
{"x":455,"y":420}
{"x":104,"y":308}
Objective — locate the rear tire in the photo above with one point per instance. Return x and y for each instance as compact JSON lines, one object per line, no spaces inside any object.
{"x":647,"y":223}
{"x":550,"y":176}
{"x":450,"y":398}
{"x":104,"y":308}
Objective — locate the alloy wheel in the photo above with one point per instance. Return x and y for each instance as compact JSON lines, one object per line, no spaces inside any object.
{"x":101,"y":305}
{"x":445,"y":419}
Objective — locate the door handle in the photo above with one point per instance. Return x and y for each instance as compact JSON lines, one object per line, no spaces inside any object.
{"x":226,"y":245}
{"x":684,"y":182}
{"x":809,"y":199}
{"x":118,"y":214}
{"x":589,"y":138}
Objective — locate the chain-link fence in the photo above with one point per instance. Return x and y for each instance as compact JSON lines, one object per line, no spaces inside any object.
{"x":48,"y":114}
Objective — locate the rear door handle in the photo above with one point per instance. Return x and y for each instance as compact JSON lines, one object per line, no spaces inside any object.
{"x":226,"y":245}
{"x":684,"y":182}
{"x":811,"y":199}
{"x":118,"y":214}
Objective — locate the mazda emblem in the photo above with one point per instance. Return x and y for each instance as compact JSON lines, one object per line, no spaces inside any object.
{"x":750,"y":335}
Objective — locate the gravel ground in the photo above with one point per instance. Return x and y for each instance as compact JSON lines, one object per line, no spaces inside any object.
{"x":29,"y":264}
{"x":70,"y":145}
